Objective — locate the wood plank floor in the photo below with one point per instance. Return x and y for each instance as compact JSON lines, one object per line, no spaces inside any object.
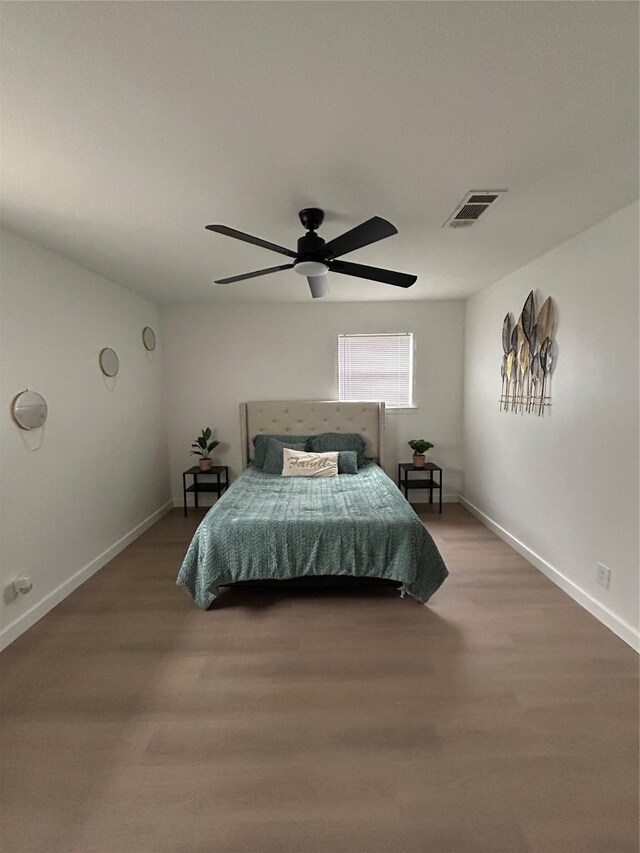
{"x":502,"y":717}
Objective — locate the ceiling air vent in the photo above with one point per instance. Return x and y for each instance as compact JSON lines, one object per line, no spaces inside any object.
{"x":471,"y":208}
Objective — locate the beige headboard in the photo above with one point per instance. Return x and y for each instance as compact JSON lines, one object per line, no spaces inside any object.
{"x":311,"y":417}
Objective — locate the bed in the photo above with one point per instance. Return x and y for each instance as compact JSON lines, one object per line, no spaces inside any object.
{"x":267,"y":527}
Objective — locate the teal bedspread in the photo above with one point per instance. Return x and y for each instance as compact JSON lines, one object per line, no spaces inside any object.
{"x":266,"y":526}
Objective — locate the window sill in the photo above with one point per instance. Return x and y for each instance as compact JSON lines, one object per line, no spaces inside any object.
{"x":405,"y":410}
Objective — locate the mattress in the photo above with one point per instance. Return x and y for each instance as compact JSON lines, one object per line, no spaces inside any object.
{"x":270,"y":527}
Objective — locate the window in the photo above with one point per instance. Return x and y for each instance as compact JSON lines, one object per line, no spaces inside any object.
{"x":376,"y":367}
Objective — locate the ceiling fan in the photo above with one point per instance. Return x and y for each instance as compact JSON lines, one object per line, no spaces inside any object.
{"x":315,"y":258}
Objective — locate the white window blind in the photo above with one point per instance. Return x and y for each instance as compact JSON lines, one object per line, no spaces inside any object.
{"x":376,"y":367}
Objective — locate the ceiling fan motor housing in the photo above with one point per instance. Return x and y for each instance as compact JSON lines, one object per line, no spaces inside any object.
{"x":310,"y":254}
{"x":310,"y":244}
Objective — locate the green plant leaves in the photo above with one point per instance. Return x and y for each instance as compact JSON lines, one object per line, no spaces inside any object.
{"x":420,"y":445}
{"x":203,"y":445}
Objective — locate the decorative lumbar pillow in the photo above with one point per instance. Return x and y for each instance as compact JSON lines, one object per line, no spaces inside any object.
{"x":328,"y":441}
{"x":260,"y":444}
{"x":301,"y":464}
{"x":273,"y":460}
{"x":347,"y":462}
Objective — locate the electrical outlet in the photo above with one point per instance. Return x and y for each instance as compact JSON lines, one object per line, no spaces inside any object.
{"x":603,"y":575}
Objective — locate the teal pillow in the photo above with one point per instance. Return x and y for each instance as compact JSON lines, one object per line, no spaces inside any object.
{"x":328,"y":441}
{"x":260,"y":444}
{"x":273,"y":460}
{"x":347,"y":462}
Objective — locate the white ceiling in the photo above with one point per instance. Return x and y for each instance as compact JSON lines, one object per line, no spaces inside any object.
{"x":127,"y":127}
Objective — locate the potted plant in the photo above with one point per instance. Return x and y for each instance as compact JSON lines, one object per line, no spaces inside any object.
{"x":419,"y":447}
{"x":202,"y":448}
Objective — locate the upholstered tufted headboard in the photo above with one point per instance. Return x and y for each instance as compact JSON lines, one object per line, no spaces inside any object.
{"x":311,"y":417}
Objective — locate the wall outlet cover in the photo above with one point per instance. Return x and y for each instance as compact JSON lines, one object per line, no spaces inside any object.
{"x":603,"y":575}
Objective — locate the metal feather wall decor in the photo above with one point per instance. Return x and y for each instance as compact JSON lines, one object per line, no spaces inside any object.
{"x":536,"y":377}
{"x":525,"y":367}
{"x":514,"y":337}
{"x":506,"y":334}
{"x":544,"y":326}
{"x":510,"y":362}
{"x":527,"y":318}
{"x":506,"y":347}
{"x":528,"y":359}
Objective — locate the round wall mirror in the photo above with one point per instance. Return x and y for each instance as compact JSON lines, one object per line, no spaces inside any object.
{"x":109,"y":363}
{"x":29,"y":410}
{"x":149,"y":338}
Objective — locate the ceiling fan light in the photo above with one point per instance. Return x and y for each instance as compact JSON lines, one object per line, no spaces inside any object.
{"x":318,"y":285}
{"x":311,"y":268}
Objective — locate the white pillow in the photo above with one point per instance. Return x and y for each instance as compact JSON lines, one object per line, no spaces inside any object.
{"x":299,"y":463}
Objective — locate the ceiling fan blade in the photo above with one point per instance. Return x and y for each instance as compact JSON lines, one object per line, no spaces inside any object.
{"x":247,"y":238}
{"x":399,"y":279}
{"x":252,"y":274}
{"x":368,"y":232}
{"x":318,"y":285}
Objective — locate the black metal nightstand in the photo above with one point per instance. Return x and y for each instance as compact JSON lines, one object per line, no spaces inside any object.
{"x":425,"y":482}
{"x":219,"y":486}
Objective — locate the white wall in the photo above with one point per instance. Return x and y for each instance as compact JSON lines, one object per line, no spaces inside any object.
{"x":101,"y":470}
{"x":563,"y":489}
{"x":566,"y":486}
{"x":217,"y":356}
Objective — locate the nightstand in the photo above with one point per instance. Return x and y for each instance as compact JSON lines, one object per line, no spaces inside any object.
{"x":427,"y":481}
{"x":200,"y":485}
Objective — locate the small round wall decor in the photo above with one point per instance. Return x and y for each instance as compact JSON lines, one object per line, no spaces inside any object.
{"x":149,"y":338}
{"x":29,"y":410}
{"x":108,"y":360}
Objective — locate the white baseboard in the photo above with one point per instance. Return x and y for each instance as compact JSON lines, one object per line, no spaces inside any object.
{"x":22,"y":623}
{"x":619,"y":627}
